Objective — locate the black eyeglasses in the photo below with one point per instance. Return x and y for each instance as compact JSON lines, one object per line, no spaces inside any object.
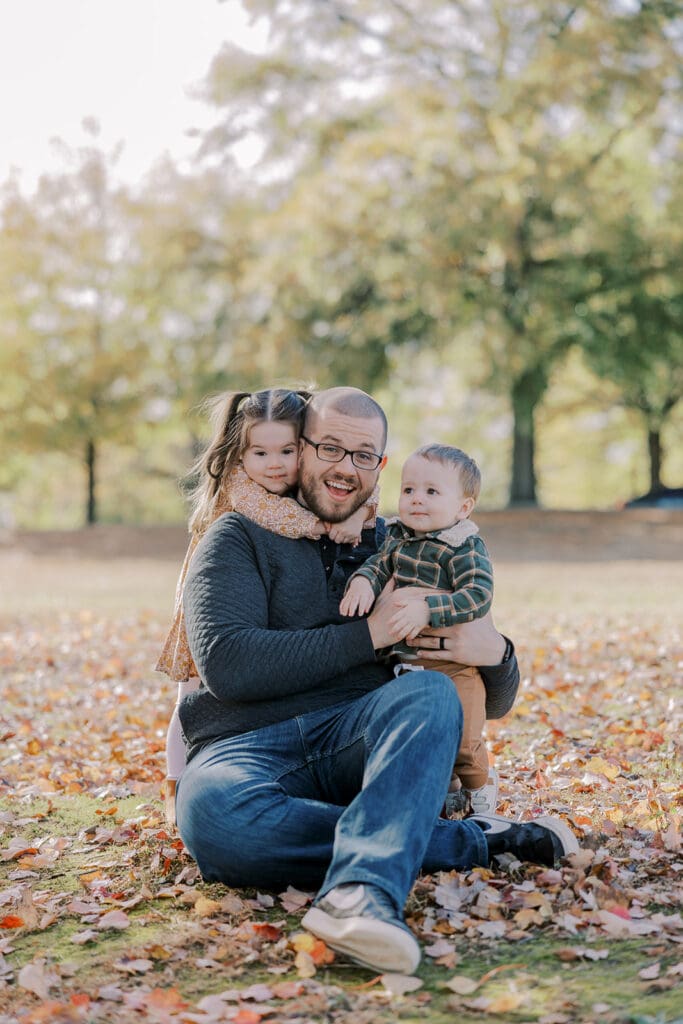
{"x":335,"y":453}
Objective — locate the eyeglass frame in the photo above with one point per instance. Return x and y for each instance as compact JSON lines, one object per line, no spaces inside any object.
{"x":345,"y":452}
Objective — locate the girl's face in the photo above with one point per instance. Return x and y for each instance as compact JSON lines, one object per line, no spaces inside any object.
{"x":271,"y":456}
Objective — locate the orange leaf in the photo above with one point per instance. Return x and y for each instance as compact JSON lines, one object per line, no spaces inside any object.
{"x":268,"y":932}
{"x":321,"y":954}
{"x":247,"y":1017}
{"x":11,"y":921}
{"x":165,"y":999}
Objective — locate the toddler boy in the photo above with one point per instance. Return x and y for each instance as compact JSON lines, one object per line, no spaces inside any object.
{"x":434,"y":544}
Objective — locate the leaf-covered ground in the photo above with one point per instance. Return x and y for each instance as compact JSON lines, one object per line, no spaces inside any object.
{"x":104,"y":918}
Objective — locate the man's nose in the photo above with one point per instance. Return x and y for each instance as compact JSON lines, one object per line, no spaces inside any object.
{"x":347,"y":462}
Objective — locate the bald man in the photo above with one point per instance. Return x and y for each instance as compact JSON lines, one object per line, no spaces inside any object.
{"x":309,"y":762}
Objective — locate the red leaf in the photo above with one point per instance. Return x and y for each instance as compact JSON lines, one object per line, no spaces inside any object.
{"x":11,"y":921}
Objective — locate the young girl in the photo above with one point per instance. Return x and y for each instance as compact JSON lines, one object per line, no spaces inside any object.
{"x":250,"y":466}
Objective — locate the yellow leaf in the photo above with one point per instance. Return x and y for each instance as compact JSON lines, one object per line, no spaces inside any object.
{"x":304,"y":964}
{"x":302,"y":942}
{"x":206,"y":908}
{"x":599,"y":766}
{"x":506,"y":1002}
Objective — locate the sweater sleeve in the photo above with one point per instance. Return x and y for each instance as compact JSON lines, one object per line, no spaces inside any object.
{"x":501,"y":683}
{"x":471,"y":580}
{"x":271,"y":511}
{"x":239,"y":655}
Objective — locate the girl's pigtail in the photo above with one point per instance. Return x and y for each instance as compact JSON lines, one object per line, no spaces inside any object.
{"x":219,"y":458}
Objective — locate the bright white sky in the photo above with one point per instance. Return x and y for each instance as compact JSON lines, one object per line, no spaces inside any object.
{"x":131,"y":64}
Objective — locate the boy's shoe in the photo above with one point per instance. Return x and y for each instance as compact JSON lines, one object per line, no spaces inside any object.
{"x":361,"y":921}
{"x":541,"y":841}
{"x":485,"y":799}
{"x":456,"y":804}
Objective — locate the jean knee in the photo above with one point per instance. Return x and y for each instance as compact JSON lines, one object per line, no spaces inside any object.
{"x":219,"y":821}
{"x":442,"y":698}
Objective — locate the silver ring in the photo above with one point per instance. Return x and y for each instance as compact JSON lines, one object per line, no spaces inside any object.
{"x":442,"y":643}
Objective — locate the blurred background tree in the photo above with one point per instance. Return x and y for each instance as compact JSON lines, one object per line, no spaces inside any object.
{"x":469,"y":209}
{"x":72,"y":360}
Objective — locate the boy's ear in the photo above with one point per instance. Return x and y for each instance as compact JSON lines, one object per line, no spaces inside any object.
{"x":467,"y":506}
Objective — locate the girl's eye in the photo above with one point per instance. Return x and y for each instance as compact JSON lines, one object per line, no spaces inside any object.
{"x":407,"y":490}
{"x":432,"y":490}
{"x":289,"y":451}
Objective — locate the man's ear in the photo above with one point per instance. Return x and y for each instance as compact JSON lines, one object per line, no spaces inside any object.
{"x":382,"y":463}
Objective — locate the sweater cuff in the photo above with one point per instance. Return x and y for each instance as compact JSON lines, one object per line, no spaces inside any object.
{"x":359,"y":640}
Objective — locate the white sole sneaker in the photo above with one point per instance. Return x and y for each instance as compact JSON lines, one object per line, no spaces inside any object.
{"x":367,"y":940}
{"x":485,"y":799}
{"x":495,"y":824}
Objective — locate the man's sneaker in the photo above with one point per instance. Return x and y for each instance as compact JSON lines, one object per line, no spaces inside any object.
{"x":541,"y":841}
{"x":485,"y":799}
{"x":362,"y":922}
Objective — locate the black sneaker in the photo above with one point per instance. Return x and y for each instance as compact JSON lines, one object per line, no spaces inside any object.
{"x":541,"y":841}
{"x":362,"y":922}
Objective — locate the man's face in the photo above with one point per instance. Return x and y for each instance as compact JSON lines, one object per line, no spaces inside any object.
{"x":334,"y":490}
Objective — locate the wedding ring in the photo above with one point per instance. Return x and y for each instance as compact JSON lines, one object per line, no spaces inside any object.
{"x":442,"y":643}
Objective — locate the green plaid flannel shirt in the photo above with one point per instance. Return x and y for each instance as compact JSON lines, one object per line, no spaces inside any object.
{"x":442,"y":560}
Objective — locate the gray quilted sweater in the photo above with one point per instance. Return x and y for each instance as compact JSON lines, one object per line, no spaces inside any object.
{"x":263,"y":623}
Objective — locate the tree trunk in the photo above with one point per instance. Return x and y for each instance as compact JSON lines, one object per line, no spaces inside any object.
{"x":654,"y":446}
{"x":525,"y":395}
{"x":90,"y":462}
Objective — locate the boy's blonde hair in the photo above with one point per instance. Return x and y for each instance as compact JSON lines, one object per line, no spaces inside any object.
{"x":470,"y":477}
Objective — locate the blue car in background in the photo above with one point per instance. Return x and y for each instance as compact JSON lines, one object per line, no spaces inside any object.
{"x":665,"y":497}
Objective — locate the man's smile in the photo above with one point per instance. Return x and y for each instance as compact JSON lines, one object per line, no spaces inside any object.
{"x":339,"y":489}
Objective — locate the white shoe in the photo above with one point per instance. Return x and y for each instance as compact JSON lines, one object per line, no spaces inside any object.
{"x":485,"y":799}
{"x":361,"y":922}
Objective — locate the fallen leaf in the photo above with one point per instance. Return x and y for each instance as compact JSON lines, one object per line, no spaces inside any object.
{"x":205,"y":907}
{"x":11,"y":921}
{"x":462,"y":985}
{"x":303,"y":962}
{"x":399,"y":984}
{"x":114,"y":919}
{"x":35,"y":977}
{"x":133,"y":966}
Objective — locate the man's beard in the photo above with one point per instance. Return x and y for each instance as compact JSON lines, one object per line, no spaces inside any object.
{"x":313,"y":493}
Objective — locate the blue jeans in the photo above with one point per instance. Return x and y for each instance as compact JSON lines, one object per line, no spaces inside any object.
{"x":350,"y":793}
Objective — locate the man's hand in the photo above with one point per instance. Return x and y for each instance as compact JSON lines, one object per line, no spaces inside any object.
{"x":471,"y":643}
{"x":382,"y":634}
{"x":358,"y":599}
{"x":412,"y":614}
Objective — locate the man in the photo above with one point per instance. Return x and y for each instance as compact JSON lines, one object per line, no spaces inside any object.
{"x":309,"y":762}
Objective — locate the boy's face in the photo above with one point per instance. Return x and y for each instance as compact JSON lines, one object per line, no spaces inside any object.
{"x":431,"y":496}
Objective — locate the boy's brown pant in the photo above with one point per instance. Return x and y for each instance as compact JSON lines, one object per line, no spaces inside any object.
{"x":472,"y":762}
